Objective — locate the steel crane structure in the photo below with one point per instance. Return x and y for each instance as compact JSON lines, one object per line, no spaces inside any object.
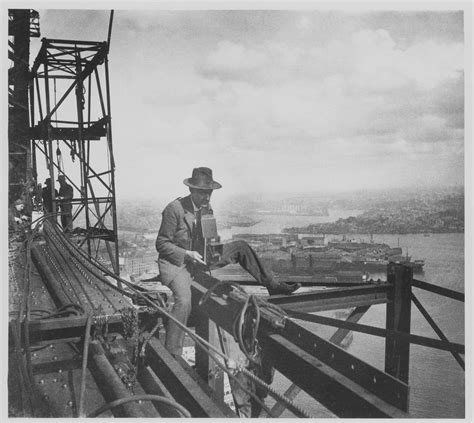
{"x":70,"y":106}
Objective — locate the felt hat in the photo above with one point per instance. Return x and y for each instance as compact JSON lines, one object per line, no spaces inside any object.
{"x":202,"y":179}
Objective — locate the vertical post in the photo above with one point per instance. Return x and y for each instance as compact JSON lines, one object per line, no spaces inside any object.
{"x":111,"y":158}
{"x":82,"y":145}
{"x":206,"y":367}
{"x":397,"y":352}
{"x":49,"y":145}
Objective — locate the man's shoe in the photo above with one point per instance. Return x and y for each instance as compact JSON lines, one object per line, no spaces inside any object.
{"x":283,"y":288}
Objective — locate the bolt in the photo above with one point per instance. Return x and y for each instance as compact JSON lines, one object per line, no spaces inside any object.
{"x":69,"y":403}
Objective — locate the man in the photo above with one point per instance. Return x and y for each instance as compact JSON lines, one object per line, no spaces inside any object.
{"x":16,"y":216}
{"x":65,"y":196}
{"x":178,"y":242}
{"x":47,"y":199}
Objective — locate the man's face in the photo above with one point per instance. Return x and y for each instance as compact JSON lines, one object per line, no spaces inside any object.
{"x":201,"y":197}
{"x":20,"y":207}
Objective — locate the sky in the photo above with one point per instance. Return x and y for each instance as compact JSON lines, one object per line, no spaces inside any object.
{"x":280,"y":100}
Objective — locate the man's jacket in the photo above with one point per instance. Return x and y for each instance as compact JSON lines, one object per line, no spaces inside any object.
{"x":174,"y":238}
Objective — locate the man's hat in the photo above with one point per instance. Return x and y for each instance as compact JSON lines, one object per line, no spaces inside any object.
{"x":47,"y":181}
{"x":61,"y":177}
{"x":202,"y":179}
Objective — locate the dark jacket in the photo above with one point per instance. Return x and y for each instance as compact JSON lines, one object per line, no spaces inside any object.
{"x":67,"y":193}
{"x":47,"y":200}
{"x":174,"y":237}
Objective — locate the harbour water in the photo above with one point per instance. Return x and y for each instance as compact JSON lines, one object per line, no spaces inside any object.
{"x":437,"y":382}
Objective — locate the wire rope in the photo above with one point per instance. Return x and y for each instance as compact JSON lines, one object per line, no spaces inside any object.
{"x":157,"y":398}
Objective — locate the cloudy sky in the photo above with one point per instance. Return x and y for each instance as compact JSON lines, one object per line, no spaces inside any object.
{"x":280,"y":101}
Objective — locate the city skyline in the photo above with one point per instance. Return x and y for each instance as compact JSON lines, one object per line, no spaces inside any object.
{"x":280,"y":101}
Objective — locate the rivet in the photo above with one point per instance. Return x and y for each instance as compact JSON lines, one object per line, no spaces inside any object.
{"x":55,"y":358}
{"x":41,"y":381}
{"x":46,"y":397}
{"x":352,"y":367}
{"x":51,"y":346}
{"x":60,"y":371}
{"x":64,"y":385}
{"x":139,"y":401}
{"x":69,"y":403}
{"x":35,"y":355}
{"x":55,"y":380}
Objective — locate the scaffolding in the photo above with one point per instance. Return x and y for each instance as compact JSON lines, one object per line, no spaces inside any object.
{"x":70,"y":110}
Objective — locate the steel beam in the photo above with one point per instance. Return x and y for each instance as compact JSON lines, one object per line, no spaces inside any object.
{"x":333,"y":299}
{"x":338,"y":393}
{"x":397,"y":351}
{"x":64,"y":328}
{"x":181,"y":385}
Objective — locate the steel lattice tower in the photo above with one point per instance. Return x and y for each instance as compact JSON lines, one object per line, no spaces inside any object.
{"x":70,"y":111}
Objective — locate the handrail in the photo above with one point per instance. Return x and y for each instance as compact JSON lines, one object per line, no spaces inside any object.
{"x":445,"y":344}
{"x":459,"y":296}
{"x":438,"y":330}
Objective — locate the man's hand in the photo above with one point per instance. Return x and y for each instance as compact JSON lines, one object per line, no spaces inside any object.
{"x":17,"y":220}
{"x":24,"y":217}
{"x":195,"y":256}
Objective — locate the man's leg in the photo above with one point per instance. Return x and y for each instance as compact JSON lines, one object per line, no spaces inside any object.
{"x":241,"y":252}
{"x":181,"y":288}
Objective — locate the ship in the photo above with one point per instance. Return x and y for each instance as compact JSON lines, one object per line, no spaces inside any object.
{"x":239,"y":220}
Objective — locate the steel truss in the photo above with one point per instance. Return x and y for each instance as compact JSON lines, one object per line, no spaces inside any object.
{"x":68,"y":90}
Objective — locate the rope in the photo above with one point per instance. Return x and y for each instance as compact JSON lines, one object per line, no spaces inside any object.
{"x":291,"y":405}
{"x":157,"y":398}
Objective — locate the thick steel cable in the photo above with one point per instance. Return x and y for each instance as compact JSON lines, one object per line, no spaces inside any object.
{"x":76,"y":264}
{"x":90,"y":261}
{"x":72,"y":287}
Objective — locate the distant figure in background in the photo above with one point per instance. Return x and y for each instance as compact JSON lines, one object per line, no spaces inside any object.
{"x":66,"y":193}
{"x":16,"y":217}
{"x":47,"y":199}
